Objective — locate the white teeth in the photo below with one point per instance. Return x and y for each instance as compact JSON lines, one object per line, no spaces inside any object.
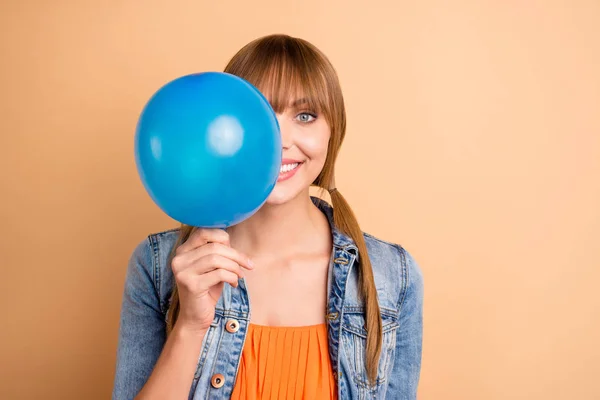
{"x":287,"y":167}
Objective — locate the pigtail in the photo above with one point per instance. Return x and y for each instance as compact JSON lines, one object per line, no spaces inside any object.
{"x":346,"y":221}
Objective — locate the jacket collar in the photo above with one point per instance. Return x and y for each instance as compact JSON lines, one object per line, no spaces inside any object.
{"x":340,"y":239}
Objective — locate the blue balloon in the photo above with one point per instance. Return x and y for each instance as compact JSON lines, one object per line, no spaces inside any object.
{"x":208,"y":149}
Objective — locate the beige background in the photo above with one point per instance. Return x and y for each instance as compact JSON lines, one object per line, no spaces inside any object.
{"x":474,"y":141}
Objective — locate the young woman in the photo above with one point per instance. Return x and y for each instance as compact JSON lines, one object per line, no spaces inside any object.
{"x":293,"y":303}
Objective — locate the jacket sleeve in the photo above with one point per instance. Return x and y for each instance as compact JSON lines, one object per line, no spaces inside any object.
{"x":142,"y":329}
{"x":404,"y":378}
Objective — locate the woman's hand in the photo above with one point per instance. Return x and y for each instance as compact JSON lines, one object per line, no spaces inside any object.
{"x":201,"y":266}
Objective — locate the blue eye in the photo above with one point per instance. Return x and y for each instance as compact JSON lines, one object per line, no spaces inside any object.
{"x":306,"y":117}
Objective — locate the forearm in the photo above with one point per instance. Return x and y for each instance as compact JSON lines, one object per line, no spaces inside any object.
{"x":172,"y":376}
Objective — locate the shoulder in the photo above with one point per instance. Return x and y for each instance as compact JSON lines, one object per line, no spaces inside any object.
{"x":152,"y":249}
{"x":397,"y":274}
{"x":163,"y":242}
{"x":151,"y":259}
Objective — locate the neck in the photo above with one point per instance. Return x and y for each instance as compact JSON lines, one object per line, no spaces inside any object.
{"x":282,"y":228}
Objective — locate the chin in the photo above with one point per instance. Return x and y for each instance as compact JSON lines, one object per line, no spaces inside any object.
{"x":281,"y":195}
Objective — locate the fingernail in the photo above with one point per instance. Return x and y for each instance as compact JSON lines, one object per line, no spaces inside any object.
{"x":250,"y":263}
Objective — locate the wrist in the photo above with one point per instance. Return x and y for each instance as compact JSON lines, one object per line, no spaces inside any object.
{"x":182,"y":330}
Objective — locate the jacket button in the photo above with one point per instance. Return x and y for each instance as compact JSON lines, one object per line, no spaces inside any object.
{"x":217,"y":381}
{"x":232,"y":325}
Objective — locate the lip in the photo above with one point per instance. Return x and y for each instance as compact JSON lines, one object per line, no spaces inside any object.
{"x":287,"y":175}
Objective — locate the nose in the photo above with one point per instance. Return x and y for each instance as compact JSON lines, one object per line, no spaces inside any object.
{"x":286,"y":132}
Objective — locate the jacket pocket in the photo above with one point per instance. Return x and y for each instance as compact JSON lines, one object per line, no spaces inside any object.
{"x":354,"y":342}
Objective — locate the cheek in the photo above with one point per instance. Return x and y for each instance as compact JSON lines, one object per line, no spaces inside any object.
{"x":314,"y":144}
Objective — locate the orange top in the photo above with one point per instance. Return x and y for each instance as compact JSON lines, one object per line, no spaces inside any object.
{"x":285,"y":363}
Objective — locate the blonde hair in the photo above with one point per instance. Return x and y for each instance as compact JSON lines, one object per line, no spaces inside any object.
{"x":282,"y":67}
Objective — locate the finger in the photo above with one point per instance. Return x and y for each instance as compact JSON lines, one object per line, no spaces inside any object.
{"x":209,"y":263}
{"x":217,"y":276}
{"x":219,"y":249}
{"x":185,"y":260}
{"x":201,"y":236}
{"x":193,"y":282}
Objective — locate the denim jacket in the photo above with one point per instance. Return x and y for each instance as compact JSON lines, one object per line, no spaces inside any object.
{"x":399,"y":283}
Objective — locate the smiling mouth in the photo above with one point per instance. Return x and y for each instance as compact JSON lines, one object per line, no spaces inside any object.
{"x":288,"y":167}
{"x":288,"y":170}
